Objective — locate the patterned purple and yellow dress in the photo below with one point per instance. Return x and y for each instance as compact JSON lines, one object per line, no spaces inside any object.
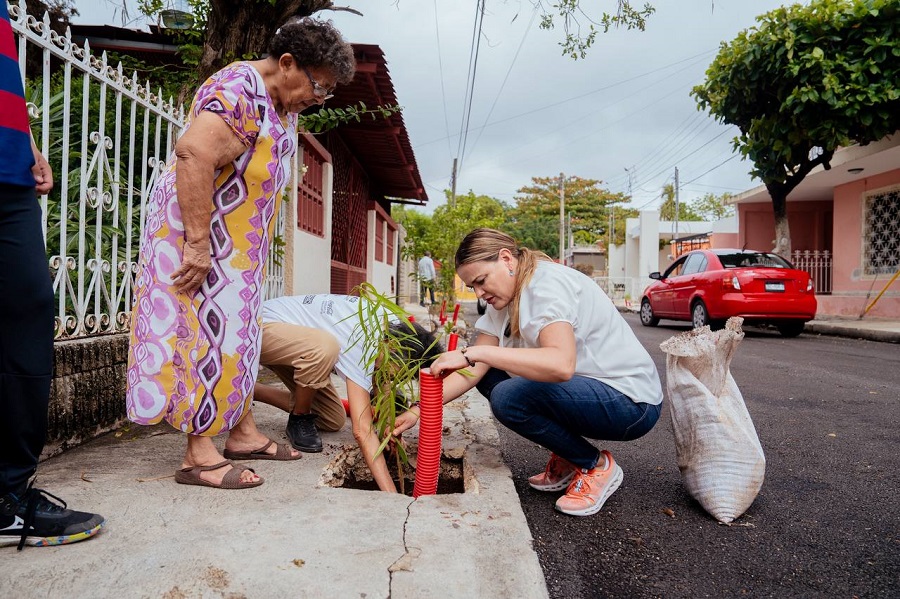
{"x":193,"y":360}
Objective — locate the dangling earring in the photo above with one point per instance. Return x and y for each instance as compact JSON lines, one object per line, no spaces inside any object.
{"x":511,"y":273}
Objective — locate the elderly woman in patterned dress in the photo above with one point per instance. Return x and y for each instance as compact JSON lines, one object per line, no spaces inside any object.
{"x":195,"y":339}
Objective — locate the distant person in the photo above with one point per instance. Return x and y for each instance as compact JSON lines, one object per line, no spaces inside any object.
{"x":427,"y":276}
{"x":558,"y":364}
{"x":195,"y":335}
{"x":28,"y":516}
{"x":304,"y":338}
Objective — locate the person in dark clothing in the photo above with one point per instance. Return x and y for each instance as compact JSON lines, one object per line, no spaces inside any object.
{"x":28,"y":516}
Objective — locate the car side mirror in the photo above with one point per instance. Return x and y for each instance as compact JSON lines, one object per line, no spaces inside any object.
{"x":656,"y":276}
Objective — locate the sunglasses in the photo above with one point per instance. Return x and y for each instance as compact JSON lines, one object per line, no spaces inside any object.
{"x":323,"y":93}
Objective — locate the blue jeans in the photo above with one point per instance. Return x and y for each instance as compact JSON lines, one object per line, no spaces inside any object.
{"x":559,"y":416}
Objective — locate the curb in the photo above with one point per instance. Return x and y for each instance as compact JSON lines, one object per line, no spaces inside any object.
{"x":839,"y":330}
{"x":832,"y":329}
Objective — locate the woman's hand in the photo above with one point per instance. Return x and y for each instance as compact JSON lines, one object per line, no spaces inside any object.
{"x":449,"y":362}
{"x":195,"y":265}
{"x":405,"y":421}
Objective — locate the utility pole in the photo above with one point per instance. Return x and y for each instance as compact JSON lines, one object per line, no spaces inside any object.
{"x":612,"y":209}
{"x":453,"y":185}
{"x":562,"y":218}
{"x":676,"y":212}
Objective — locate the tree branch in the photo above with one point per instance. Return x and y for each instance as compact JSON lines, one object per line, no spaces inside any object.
{"x":345,"y":9}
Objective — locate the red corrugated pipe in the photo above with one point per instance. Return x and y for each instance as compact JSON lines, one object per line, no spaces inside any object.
{"x":431,"y":424}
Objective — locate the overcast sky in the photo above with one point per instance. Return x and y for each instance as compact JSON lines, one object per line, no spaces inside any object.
{"x":624,"y":109}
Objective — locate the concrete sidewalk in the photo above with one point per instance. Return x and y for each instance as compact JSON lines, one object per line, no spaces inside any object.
{"x":294,"y":536}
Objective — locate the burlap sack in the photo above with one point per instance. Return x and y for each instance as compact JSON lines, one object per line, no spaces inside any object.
{"x":719,"y":455}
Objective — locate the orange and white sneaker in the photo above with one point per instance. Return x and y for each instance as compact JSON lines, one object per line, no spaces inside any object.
{"x":590,"y":489}
{"x":556,"y":475}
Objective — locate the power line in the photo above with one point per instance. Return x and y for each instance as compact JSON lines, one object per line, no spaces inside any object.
{"x":602,"y":89}
{"x":685,"y":156}
{"x":508,"y":71}
{"x":592,"y":132}
{"x":470,"y":85}
{"x":437,"y":33}
{"x":733,"y":156}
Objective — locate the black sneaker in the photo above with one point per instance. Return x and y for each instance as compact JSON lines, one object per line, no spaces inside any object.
{"x":28,"y":517}
{"x":301,"y":432}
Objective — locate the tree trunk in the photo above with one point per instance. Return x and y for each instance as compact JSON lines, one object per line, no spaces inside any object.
{"x":239,"y":29}
{"x":782,"y":228}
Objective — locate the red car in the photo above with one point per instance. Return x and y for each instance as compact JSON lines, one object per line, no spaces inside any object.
{"x":709,"y":286}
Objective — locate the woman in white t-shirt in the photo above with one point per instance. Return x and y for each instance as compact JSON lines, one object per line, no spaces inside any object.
{"x":558,"y":364}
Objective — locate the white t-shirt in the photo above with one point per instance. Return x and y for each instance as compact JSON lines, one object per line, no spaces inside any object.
{"x":337,"y":314}
{"x":606,"y":347}
{"x":426,"y":268}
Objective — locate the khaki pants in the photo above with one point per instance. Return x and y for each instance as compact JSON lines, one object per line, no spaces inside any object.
{"x":304,"y":357}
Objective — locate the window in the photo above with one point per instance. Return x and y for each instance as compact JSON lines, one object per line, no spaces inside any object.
{"x":695,"y":263}
{"x":676,"y":268}
{"x":881,"y":232}
{"x":310,"y":202}
{"x":379,"y":238}
{"x":390,"y":235}
{"x":751,"y":259}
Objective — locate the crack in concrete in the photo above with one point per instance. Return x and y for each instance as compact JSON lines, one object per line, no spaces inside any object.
{"x":404,"y":562}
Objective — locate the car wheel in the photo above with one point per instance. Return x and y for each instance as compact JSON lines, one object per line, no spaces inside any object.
{"x":647,"y":318}
{"x":790,"y":329}
{"x":481,"y":306}
{"x":699,"y":315}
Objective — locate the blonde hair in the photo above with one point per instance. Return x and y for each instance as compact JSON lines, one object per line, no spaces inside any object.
{"x":484,"y":245}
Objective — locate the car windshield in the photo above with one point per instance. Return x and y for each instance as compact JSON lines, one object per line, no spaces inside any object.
{"x":751,"y":259}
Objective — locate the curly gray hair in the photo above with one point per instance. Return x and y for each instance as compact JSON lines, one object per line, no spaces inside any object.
{"x":315,"y":43}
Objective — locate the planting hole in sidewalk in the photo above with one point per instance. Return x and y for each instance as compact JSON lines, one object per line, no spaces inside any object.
{"x":349,"y":471}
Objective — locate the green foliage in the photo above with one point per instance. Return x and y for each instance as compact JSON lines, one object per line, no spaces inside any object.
{"x":329,"y":118}
{"x":394,"y":373}
{"x":579,"y":35}
{"x":667,"y":208}
{"x":444,"y":230}
{"x":805,"y":81}
{"x":178,"y":80}
{"x":712,"y":207}
{"x":534,"y":222}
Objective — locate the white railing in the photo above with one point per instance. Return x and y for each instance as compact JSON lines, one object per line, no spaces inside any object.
{"x":623,"y":291}
{"x":107,"y":137}
{"x":273,"y":286}
{"x":818,"y":264}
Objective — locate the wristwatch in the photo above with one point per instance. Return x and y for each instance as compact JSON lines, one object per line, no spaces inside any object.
{"x":468,"y":359}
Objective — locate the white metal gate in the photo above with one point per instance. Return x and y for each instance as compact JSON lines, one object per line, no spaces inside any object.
{"x":107,"y":137}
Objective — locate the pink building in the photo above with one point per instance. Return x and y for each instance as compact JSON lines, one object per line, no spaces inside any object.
{"x":845,"y":229}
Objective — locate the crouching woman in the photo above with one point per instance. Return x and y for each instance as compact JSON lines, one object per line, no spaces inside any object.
{"x":558,"y":364}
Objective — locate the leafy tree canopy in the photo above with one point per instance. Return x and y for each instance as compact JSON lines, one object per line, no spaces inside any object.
{"x":803,"y":82}
{"x":712,"y":207}
{"x":442,"y":232}
{"x":534,"y":221}
{"x":667,"y":208}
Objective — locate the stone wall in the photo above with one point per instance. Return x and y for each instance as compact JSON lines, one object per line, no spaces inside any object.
{"x":87,"y":396}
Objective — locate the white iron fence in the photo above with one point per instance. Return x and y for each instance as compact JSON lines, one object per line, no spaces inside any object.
{"x":107,"y":137}
{"x":623,"y":291}
{"x":818,"y":264}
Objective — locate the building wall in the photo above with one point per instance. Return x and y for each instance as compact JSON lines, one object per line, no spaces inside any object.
{"x":311,"y":268}
{"x":852,"y":290}
{"x":719,"y":241}
{"x":616,"y":261}
{"x":810,"y":223}
{"x":381,"y":275}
